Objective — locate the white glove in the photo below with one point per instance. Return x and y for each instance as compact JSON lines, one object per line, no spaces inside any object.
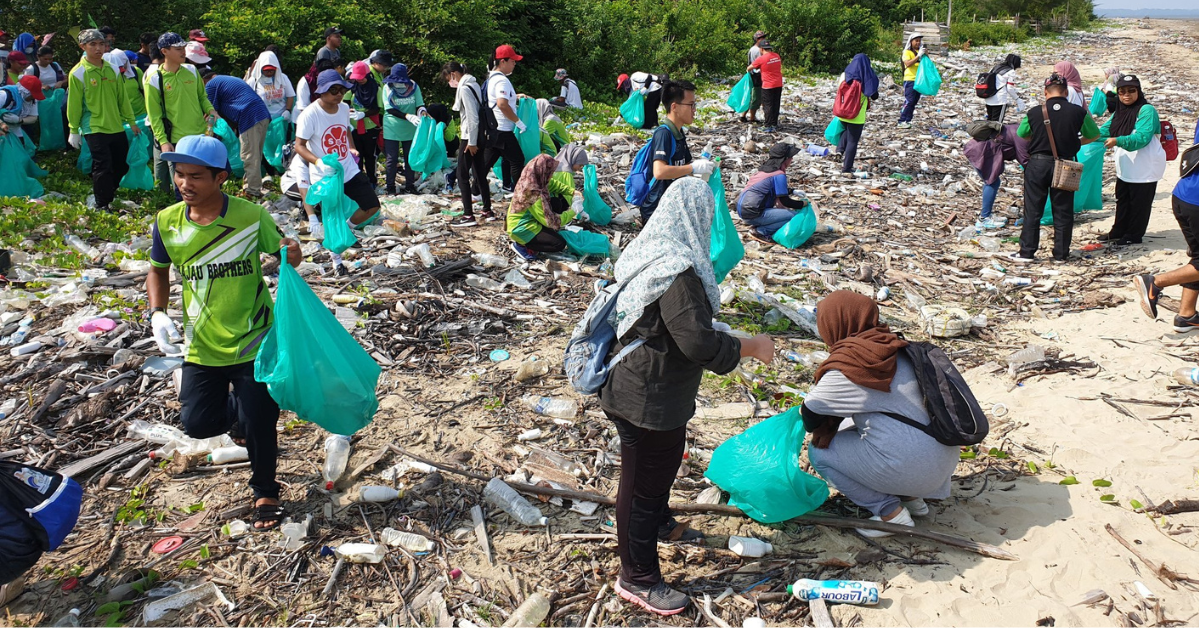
{"x":719,"y":326}
{"x":166,"y":334}
{"x":521,"y":126}
{"x":315,"y":227}
{"x":356,"y":115}
{"x":75,"y":140}
{"x":702,"y":167}
{"x":11,"y":118}
{"x":413,"y":119}
{"x":319,"y":171}
{"x":286,"y":115}
{"x":923,"y":51}
{"x":643,"y":91}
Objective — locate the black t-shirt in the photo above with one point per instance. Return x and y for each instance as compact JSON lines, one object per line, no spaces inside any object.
{"x":1066,"y":119}
{"x":660,"y":145}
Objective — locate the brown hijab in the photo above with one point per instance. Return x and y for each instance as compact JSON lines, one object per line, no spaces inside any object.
{"x":861,"y":347}
{"x":533,"y":186}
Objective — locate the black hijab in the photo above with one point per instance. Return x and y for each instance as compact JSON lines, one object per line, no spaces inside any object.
{"x":1125,"y":119}
{"x":1011,"y":61}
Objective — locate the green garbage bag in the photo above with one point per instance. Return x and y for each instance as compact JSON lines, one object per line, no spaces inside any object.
{"x":742,"y":95}
{"x":28,"y":145}
{"x":1098,"y":103}
{"x":311,"y":365}
{"x":759,"y":469}
{"x":593,"y":203}
{"x":1089,"y":196}
{"x":49,"y":116}
{"x":232,"y":146}
{"x":530,"y":139}
{"x":276,"y":138}
{"x":140,"y":175}
{"x":336,"y":207}
{"x":797,"y":230}
{"x":585,"y":243}
{"x":727,"y":249}
{"x":18,"y":174}
{"x":928,"y":78}
{"x":633,"y":110}
{"x":84,"y":162}
{"x":832,"y":133}
{"x":428,"y":147}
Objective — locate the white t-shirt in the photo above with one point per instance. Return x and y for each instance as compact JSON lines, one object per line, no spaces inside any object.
{"x":328,"y":135}
{"x":498,"y":86}
{"x":275,"y":94}
{"x":47,"y":75}
{"x":303,"y":99}
{"x":646,"y":81}
{"x":1006,"y":94}
{"x":570,"y":91}
{"x":1075,"y":97}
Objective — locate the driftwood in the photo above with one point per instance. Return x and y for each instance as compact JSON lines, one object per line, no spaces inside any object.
{"x":1163,"y":573}
{"x":1170,"y":507}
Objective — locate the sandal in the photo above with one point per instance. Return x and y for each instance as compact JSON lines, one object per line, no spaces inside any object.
{"x":235,"y":434}
{"x":267,"y":512}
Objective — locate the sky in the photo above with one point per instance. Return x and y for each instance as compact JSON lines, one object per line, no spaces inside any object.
{"x":1145,"y":4}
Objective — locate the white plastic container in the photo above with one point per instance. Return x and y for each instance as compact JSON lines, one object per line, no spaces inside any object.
{"x":362,"y":552}
{"x":377,"y":494}
{"x":841,"y":591}
{"x":407,"y":540}
{"x":224,"y":455}
{"x":749,"y":547}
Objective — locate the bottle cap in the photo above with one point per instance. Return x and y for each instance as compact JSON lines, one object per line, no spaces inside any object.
{"x":328,"y":486}
{"x":790,"y":589}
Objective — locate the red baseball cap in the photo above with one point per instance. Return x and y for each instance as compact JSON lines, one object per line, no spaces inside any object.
{"x":34,"y":85}
{"x":17,"y":55}
{"x":197,"y":35}
{"x":507,"y":52}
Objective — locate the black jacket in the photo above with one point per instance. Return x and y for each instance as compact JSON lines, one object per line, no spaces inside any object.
{"x":1066,"y":120}
{"x":654,"y":387}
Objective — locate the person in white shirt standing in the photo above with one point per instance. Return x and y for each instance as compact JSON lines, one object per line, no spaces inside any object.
{"x":272,"y":85}
{"x":1005,"y":85}
{"x":501,"y":97}
{"x":570,"y":95}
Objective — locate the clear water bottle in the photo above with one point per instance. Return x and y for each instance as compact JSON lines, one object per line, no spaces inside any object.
{"x":549,"y":406}
{"x":337,"y":454}
{"x":83,"y":248}
{"x":840,"y":591}
{"x":488,"y":260}
{"x":1187,"y":376}
{"x":362,"y":552}
{"x":7,"y":408}
{"x":499,"y":494}
{"x":707,"y":153}
{"x":70,"y":619}
{"x":486,"y":283}
{"x":422,"y":252}
{"x":407,"y":540}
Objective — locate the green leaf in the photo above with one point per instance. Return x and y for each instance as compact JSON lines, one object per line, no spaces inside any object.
{"x":996,"y":452}
{"x":204,"y":553}
{"x":1107,"y":498}
{"x":189,"y":564}
{"x":194,"y":508}
{"x":1032,"y":467}
{"x":113,"y":620}
{"x":967,"y":455}
{"x":1101,"y":483}
{"x":110,"y":607}
{"x":1136,"y":505}
{"x":1068,"y":481}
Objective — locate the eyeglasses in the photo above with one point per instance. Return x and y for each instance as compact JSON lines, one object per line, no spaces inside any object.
{"x":688,"y":104}
{"x":336,"y":90}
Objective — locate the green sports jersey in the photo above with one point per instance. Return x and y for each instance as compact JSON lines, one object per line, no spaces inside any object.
{"x":226,"y":303}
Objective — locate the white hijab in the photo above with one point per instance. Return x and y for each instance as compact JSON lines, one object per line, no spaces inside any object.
{"x":267,"y":58}
{"x":117,"y":58}
{"x":677,"y":237}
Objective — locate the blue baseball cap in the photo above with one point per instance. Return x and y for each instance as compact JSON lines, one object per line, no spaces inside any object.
{"x":132,"y":56}
{"x":329,"y":78}
{"x":170,"y":40}
{"x":199,"y":150}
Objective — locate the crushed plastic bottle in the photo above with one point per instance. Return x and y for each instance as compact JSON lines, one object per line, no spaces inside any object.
{"x":362,"y":552}
{"x":83,"y":248}
{"x":337,"y":454}
{"x":486,"y":283}
{"x":1031,"y":353}
{"x":488,"y":260}
{"x":7,"y":408}
{"x":809,"y":360}
{"x":531,"y":369}
{"x":70,"y":619}
{"x":224,"y":455}
{"x":156,"y":433}
{"x":378,"y":494}
{"x":407,"y":540}
{"x":515,"y":278}
{"x":551,"y":407}
{"x":422,"y":252}
{"x":499,"y":494}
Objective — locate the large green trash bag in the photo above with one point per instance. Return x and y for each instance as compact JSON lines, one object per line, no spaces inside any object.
{"x":727,"y":249}
{"x":593,"y":203}
{"x":633,"y":110}
{"x":18,"y":174}
{"x":232,"y":146}
{"x":28,"y":145}
{"x":140,"y":175}
{"x":530,"y":139}
{"x":1089,"y":196}
{"x":742,"y":95}
{"x":336,"y":207}
{"x":759,"y":469}
{"x":832,"y":133}
{"x":797,"y":230}
{"x":928,"y":77}
{"x":1098,"y":103}
{"x":84,"y":162}
{"x":428,"y":147}
{"x":49,"y":116}
{"x":586,"y":243}
{"x":311,"y":365}
{"x":272,"y":147}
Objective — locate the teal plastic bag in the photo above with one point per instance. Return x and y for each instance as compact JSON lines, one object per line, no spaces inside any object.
{"x":140,"y":175}
{"x":272,"y":147}
{"x":84,"y":162}
{"x":49,"y":116}
{"x":832,"y":133}
{"x":742,"y":95}
{"x":18,"y":174}
{"x":1089,"y":196}
{"x":311,"y":365}
{"x":29,"y":146}
{"x":759,"y":469}
{"x":727,"y":249}
{"x":530,"y":139}
{"x":586,"y":243}
{"x":797,"y":231}
{"x":1098,"y":103}
{"x":593,"y":203}
{"x":428,"y":147}
{"x":336,"y":207}
{"x":633,"y":110}
{"x":928,"y":77}
{"x":232,"y":146}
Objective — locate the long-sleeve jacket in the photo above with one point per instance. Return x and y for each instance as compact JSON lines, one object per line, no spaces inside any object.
{"x":466,"y":103}
{"x":96,"y":99}
{"x":186,"y":103}
{"x":1139,"y":156}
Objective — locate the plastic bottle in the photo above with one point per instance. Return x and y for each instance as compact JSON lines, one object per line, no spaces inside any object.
{"x":1185,"y":376}
{"x":362,"y":552}
{"x":829,"y":227}
{"x":156,"y":433}
{"x":83,"y":248}
{"x":531,"y":369}
{"x":499,"y":494}
{"x":807,"y":359}
{"x":337,"y":454}
{"x":901,"y":176}
{"x":422,"y":251}
{"x":549,"y":406}
{"x":531,"y":612}
{"x":223,"y":455}
{"x":488,"y":260}
{"x":1031,"y":353}
{"x":70,"y":619}
{"x":377,"y":494}
{"x":1018,"y":281}
{"x":818,"y":151}
{"x":7,"y":408}
{"x":841,"y":591}
{"x":25,"y":349}
{"x":707,"y":152}
{"x":407,"y":540}
{"x":486,"y":283}
{"x":749,"y":547}
{"x":395,"y":258}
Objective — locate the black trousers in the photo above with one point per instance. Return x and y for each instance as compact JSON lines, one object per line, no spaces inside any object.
{"x":209,"y":409}
{"x":995,"y":112}
{"x":755,"y":99}
{"x":652,"y":101}
{"x":109,"y":152}
{"x":1187,"y":216}
{"x":475,"y":164}
{"x":506,"y":146}
{"x":649,"y":460}
{"x":1038,"y":176}
{"x":392,"y":149}
{"x":1134,"y":204}
{"x":547,"y":241}
{"x":848,"y":145}
{"x":367,"y":145}
{"x":771,"y":99}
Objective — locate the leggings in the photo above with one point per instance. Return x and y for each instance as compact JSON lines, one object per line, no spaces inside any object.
{"x":849,"y":144}
{"x":367,"y":145}
{"x":476,"y":164}
{"x":392,"y":149}
{"x":547,"y":241}
{"x":506,"y":146}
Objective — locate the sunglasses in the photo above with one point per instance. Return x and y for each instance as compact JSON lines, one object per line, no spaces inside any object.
{"x":336,"y":90}
{"x":1127,"y":90}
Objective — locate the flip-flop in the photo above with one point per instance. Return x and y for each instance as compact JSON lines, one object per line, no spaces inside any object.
{"x":267,"y":512}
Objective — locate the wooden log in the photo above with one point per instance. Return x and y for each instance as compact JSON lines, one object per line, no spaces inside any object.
{"x":819,"y":613}
{"x":82,"y":467}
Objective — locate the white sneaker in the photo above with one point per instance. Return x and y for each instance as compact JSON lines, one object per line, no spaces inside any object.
{"x":904,"y":518}
{"x":1015,"y":256}
{"x":917,"y":507}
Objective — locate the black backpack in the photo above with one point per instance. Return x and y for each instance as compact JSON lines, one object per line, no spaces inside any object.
{"x":489,"y":128}
{"x":956,"y":418}
{"x":986,"y":85}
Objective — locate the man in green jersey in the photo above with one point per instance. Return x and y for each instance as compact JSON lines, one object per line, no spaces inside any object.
{"x":214,"y":241}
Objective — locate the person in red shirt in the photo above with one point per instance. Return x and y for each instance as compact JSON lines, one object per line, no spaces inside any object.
{"x":771,"y":66}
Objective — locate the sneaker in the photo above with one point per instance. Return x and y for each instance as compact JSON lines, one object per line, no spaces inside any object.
{"x":771,"y":129}
{"x":917,"y":507}
{"x":487,"y":216}
{"x":476,"y":198}
{"x":1148,"y":292}
{"x":1186,"y":325}
{"x":904,"y":125}
{"x":992,"y":222}
{"x":464,"y":221}
{"x":522,"y":251}
{"x":755,"y":234}
{"x":673,"y":531}
{"x":1018,"y":258}
{"x":658,"y":599}
{"x":904,"y":518}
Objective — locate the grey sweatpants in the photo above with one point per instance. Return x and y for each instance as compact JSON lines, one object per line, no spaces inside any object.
{"x":251,"y":141}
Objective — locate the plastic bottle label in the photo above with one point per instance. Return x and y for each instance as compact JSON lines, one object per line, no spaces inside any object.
{"x":1195,"y":376}
{"x":542,"y":404}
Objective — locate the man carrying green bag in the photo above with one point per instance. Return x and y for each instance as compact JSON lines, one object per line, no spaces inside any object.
{"x":214,"y":241}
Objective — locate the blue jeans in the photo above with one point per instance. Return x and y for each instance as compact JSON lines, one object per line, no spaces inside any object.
{"x":990,"y":191}
{"x":910,"y":98}
{"x":771,"y":220}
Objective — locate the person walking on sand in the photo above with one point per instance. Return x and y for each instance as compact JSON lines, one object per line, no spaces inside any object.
{"x":858,"y":70}
{"x":502,"y":99}
{"x":912,"y":54}
{"x":770,"y":64}
{"x":755,"y":80}
{"x":1134,"y":134}
{"x":1186,"y":211}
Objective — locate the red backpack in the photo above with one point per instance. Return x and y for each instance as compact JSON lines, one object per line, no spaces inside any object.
{"x":849,"y":100}
{"x":1169,"y":140}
